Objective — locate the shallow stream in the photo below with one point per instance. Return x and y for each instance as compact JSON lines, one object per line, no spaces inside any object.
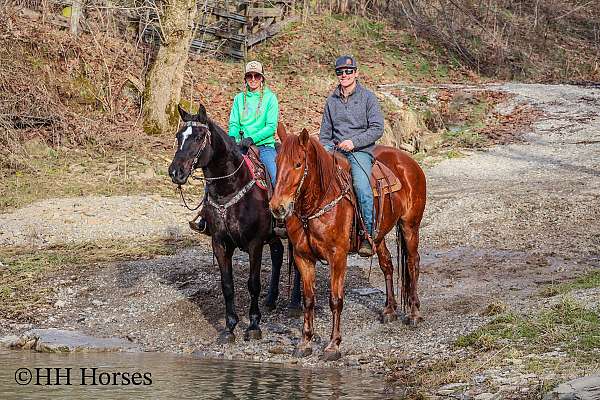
{"x":170,"y":376}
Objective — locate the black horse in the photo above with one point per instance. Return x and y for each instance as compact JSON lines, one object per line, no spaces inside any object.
{"x":235,"y":208}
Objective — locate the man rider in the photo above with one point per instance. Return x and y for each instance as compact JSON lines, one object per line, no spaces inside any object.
{"x":353,"y":121}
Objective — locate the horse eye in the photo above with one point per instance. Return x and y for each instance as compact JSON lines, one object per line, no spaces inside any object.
{"x":298,"y":165}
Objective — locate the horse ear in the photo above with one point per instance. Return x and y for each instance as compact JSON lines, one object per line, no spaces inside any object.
{"x":281,"y":132}
{"x":304,"y":137}
{"x":201,"y":116}
{"x":183,"y":114}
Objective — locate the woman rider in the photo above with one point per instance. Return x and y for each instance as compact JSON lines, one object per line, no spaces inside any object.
{"x":252,"y":121}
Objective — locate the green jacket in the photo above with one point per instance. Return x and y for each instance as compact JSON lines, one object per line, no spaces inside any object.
{"x":262,"y":127}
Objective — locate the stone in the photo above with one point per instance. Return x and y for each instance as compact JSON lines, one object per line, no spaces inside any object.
{"x":487,"y":396}
{"x":277,"y":350}
{"x":586,"y":388}
{"x":58,"y":340}
{"x":60,"y":304}
{"x":9,"y":341}
{"x":452,"y":388}
{"x":366,"y":291}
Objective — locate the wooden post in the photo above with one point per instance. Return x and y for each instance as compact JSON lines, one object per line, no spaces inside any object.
{"x":244,"y":30}
{"x":75,"y":14}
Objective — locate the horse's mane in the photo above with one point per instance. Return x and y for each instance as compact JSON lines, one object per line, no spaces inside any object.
{"x":323,"y":160}
{"x":232,"y":147}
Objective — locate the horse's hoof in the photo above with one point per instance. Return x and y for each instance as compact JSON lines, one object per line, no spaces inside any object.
{"x":270,"y":305}
{"x":388,"y":318}
{"x":331,"y":355}
{"x":412,"y":322}
{"x":226,"y":337}
{"x":252,"y":334}
{"x":300,"y":352}
{"x":294,"y":312}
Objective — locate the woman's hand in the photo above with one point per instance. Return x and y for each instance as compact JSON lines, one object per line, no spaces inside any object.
{"x":246,"y":143}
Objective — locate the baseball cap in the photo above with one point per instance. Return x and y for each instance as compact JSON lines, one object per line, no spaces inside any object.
{"x":254,"y":66}
{"x":346,"y":61}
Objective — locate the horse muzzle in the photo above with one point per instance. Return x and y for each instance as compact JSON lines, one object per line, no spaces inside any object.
{"x":178,"y":176}
{"x":282,"y":211}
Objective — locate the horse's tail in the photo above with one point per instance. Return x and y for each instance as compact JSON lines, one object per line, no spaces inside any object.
{"x":402,"y":276}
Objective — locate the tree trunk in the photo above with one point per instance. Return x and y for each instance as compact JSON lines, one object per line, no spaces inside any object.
{"x":165,"y":77}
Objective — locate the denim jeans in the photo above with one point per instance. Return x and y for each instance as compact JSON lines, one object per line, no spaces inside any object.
{"x":361,"y":164}
{"x":267,"y":155}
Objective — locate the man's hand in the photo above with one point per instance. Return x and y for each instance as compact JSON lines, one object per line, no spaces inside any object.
{"x":346,"y":145}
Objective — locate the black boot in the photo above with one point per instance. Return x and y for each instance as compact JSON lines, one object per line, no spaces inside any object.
{"x":280,"y":229}
{"x":200,"y":225}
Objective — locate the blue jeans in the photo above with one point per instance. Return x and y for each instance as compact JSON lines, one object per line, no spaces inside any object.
{"x":267,"y":155}
{"x":361,"y":164}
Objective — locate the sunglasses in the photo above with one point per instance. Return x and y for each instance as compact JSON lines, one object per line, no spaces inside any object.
{"x":347,"y":71}
{"x":251,"y":76}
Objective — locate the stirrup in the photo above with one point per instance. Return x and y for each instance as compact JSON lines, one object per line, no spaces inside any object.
{"x":366,"y":247}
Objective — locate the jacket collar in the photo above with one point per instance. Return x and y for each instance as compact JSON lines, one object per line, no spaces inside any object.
{"x":338,"y":90}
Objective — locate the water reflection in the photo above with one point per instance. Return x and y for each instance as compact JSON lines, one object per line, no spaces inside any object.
{"x":184,"y":377}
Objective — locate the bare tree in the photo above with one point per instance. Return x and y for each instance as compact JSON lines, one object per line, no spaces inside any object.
{"x":165,"y":77}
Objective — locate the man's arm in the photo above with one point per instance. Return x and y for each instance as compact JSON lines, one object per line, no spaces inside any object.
{"x":326,"y":133}
{"x":374,"y":124}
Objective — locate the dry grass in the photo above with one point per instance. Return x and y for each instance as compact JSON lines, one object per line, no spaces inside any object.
{"x":72,"y":172}
{"x":23,"y":273}
{"x":541,"y":40}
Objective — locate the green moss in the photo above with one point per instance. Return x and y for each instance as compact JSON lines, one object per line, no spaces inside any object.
{"x":190,"y":108}
{"x":454,"y":154}
{"x":151,"y":128}
{"x":85,"y":89}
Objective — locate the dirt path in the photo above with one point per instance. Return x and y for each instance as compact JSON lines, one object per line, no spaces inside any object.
{"x":498,"y":224}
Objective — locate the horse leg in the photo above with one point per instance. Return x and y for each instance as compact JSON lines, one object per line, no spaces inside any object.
{"x":223,"y":254}
{"x":276,"y":248}
{"x":294,"y":306}
{"x":255,"y":253}
{"x":336,"y":304}
{"x":411,"y":245}
{"x":385,"y":263}
{"x":307,"y":272}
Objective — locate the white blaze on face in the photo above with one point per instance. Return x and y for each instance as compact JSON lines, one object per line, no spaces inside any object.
{"x":185,"y":135}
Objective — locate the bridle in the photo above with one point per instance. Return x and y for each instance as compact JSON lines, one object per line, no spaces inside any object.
{"x":205,"y":141}
{"x":222,"y":209}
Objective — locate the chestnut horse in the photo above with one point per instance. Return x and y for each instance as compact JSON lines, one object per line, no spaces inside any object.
{"x":314,"y":195}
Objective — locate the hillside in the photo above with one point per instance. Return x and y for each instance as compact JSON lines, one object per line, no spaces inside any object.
{"x":70,"y":107}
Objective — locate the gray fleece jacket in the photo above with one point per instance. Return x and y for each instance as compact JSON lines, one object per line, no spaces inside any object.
{"x":359,"y":119}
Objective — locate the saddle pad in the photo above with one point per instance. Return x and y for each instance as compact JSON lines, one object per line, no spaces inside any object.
{"x":382,"y":177}
{"x":257,"y":169}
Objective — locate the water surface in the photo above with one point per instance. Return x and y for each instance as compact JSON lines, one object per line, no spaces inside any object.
{"x":170,"y":376}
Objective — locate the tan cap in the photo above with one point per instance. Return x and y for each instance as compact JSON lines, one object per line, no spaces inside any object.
{"x":254,"y":66}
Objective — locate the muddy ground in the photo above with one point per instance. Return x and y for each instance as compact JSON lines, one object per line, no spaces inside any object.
{"x":499,"y":225}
